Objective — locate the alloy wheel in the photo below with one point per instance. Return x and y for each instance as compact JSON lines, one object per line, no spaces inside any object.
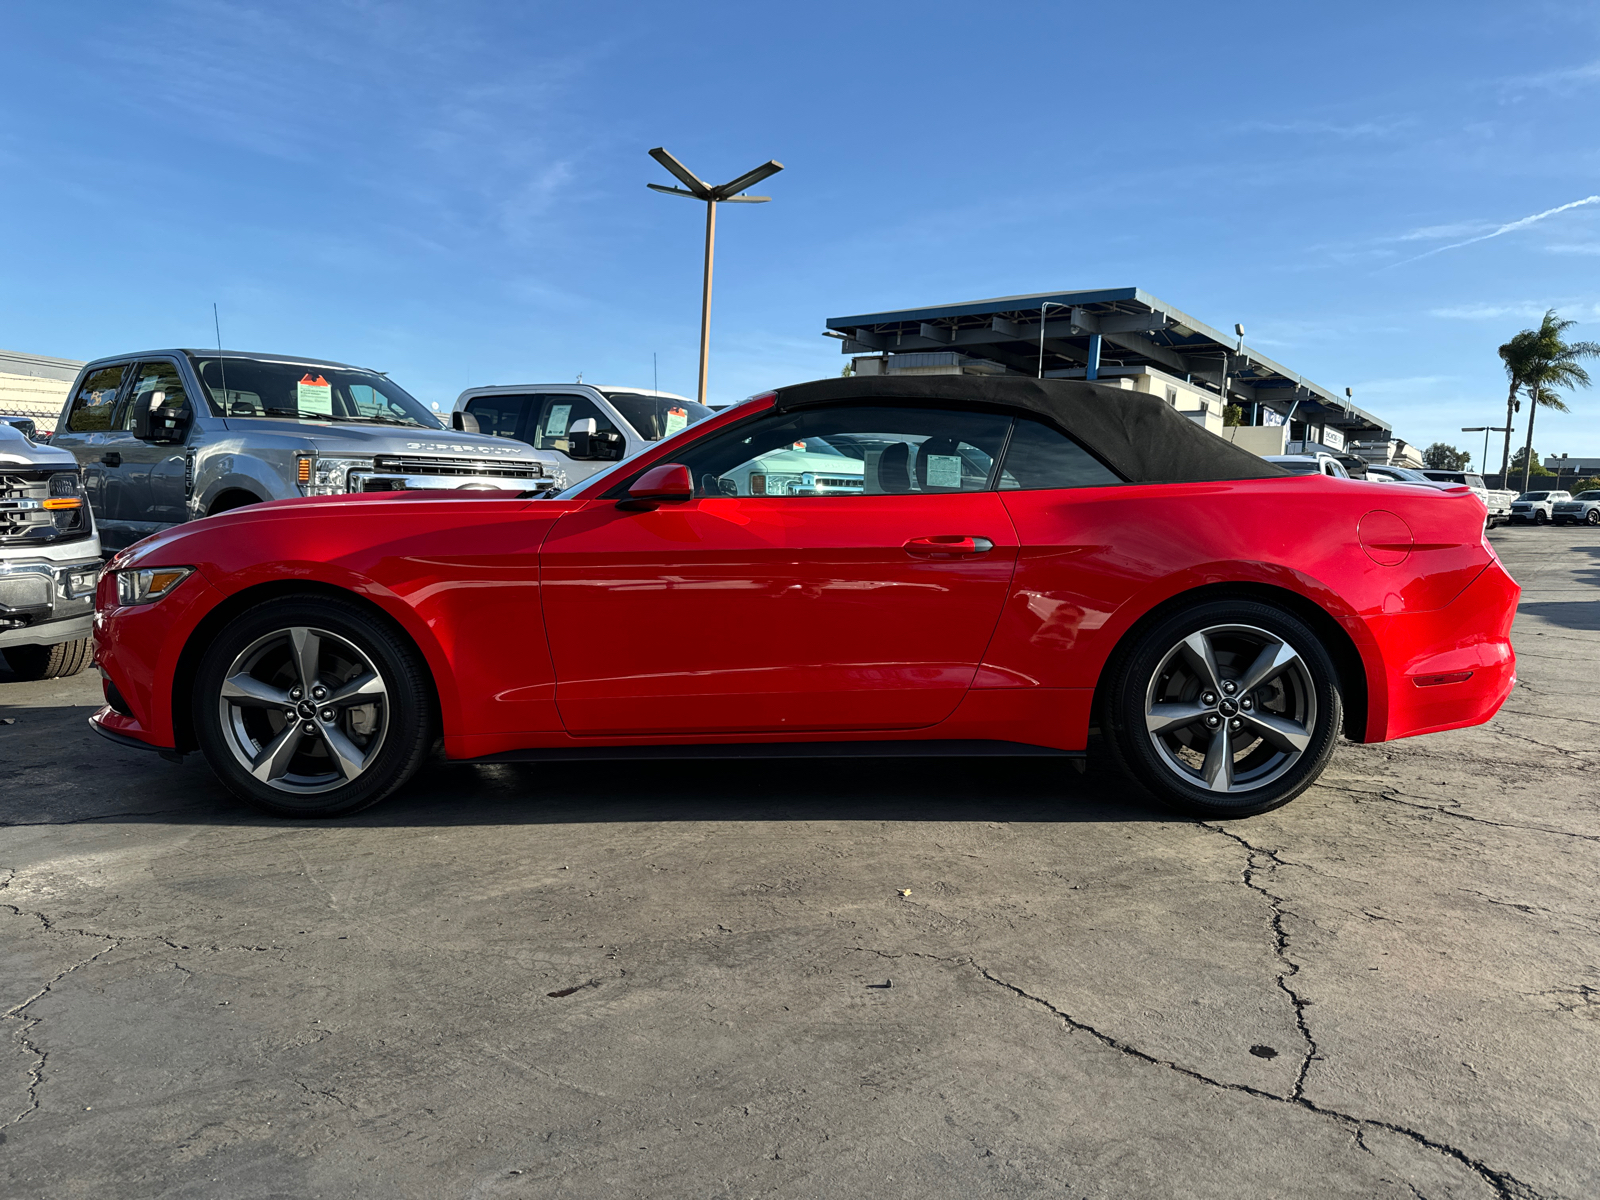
{"x":1231,"y":708}
{"x":303,"y":710}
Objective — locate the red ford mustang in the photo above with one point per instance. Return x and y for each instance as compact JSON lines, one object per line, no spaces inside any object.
{"x":860,"y":566}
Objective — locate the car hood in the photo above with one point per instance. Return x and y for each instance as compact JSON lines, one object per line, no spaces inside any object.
{"x":336,"y":438}
{"x":18,"y":451}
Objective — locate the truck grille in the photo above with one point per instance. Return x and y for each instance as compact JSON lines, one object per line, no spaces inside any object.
{"x":497,"y":468}
{"x":24,"y":519}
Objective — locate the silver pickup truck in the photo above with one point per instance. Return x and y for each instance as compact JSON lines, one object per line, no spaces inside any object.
{"x":166,"y":436}
{"x":49,"y":559}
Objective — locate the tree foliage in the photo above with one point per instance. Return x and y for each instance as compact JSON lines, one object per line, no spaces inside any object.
{"x":1520,"y":457}
{"x":1441,"y":457}
{"x":1233,"y":414}
{"x":1544,"y":364}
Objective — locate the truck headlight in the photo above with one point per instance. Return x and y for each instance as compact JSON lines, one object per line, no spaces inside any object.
{"x":149,"y":584}
{"x":327,"y":474}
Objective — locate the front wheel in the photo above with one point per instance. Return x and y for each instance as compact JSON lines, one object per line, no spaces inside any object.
{"x":310,"y":706}
{"x":1539,"y":518}
{"x":1225,"y":709}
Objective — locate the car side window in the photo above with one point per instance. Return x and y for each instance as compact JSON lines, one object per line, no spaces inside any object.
{"x":92,"y":407}
{"x":498,"y":415}
{"x":1041,"y":456}
{"x":552,"y":428}
{"x":148,"y":378}
{"x":851,"y":450}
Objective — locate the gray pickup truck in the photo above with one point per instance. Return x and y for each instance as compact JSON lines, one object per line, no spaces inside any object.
{"x":166,"y":436}
{"x":49,"y":558}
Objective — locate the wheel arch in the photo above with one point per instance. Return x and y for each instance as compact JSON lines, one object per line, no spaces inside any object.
{"x":231,"y":498}
{"x":1347,"y":660}
{"x":201,"y":637}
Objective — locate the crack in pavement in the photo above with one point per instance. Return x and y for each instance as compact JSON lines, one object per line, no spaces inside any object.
{"x":41,"y":1055}
{"x":1395,"y":796}
{"x":157,"y":812}
{"x":1505,"y":1185}
{"x":1281,"y":948}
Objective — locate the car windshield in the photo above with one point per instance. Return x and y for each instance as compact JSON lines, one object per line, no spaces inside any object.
{"x":656,"y":417}
{"x":1534,"y":496}
{"x":255,"y":387}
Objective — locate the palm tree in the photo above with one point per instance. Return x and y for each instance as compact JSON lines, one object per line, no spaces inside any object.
{"x":1555,"y":364}
{"x":1517,"y":355}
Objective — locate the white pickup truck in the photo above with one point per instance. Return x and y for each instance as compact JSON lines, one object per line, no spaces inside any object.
{"x":1496,"y":500}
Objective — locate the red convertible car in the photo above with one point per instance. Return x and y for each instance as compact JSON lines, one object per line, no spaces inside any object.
{"x":951,"y":565}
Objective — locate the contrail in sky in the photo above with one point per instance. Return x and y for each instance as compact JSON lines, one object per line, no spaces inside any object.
{"x":1514,"y":225}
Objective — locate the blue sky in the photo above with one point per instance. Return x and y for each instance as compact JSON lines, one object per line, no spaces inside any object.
{"x":455,"y":192}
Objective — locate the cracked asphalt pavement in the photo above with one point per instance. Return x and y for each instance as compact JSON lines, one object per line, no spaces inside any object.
{"x":898,"y":979}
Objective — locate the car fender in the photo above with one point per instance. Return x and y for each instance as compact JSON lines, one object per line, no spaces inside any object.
{"x":224,"y":471}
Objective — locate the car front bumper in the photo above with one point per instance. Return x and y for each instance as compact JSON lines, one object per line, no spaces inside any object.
{"x":45,"y":601}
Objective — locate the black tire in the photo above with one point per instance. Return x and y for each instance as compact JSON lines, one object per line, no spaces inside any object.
{"x":50,"y":662}
{"x":372,"y":743}
{"x":1593,"y":517}
{"x":1539,"y":518}
{"x":1151,"y":681}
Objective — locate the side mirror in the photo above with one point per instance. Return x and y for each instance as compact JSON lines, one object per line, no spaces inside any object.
{"x":464,"y":422}
{"x":668,"y":483}
{"x":580,"y":437}
{"x":156,"y":421}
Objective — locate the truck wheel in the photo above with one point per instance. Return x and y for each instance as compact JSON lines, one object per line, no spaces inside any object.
{"x":1225,"y":709}
{"x":309,"y":706}
{"x":1539,"y":518}
{"x":1593,"y":518}
{"x":49,"y":662}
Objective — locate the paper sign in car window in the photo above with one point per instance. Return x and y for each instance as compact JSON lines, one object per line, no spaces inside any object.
{"x":677,"y":418}
{"x":944,"y":470}
{"x":314,"y":395}
{"x":556,"y":424}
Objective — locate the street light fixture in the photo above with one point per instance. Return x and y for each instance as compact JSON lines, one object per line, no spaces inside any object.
{"x":713,"y":195}
{"x":1486,"y":430}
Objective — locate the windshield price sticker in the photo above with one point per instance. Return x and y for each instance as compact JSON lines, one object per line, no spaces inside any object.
{"x":677,"y":418}
{"x":314,"y":395}
{"x":556,"y":424}
{"x":944,"y":470}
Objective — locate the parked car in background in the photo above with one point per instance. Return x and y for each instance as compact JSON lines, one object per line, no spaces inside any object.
{"x":581,"y":427}
{"x":167,"y":436}
{"x":1538,"y":507}
{"x":1025,"y":558}
{"x":1496,"y":500}
{"x":1310,"y":464}
{"x":1584,"y":509}
{"x":49,"y":559}
{"x":28,"y":427}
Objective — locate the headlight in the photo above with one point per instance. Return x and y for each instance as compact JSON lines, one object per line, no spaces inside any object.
{"x":66,"y":503}
{"x":327,"y":474}
{"x":150,"y":583}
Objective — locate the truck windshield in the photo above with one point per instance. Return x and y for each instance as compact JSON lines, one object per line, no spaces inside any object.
{"x":656,"y":417}
{"x":259,"y":387}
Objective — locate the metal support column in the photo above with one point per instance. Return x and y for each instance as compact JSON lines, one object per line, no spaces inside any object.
{"x":1092,"y":371}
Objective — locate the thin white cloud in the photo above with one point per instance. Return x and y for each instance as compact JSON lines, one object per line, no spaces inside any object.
{"x":1561,"y":79}
{"x":1573,"y":248}
{"x":1526,"y":309}
{"x":1509,"y":227}
{"x":1360,"y":129}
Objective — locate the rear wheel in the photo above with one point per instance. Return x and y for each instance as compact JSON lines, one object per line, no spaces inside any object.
{"x":1593,"y":517}
{"x":311,"y":707}
{"x":49,"y":662}
{"x":1227,"y":708}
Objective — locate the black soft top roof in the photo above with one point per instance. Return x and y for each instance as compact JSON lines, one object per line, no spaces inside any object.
{"x":1139,"y":436}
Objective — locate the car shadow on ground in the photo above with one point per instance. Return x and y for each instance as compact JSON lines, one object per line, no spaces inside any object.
{"x":37,"y":787}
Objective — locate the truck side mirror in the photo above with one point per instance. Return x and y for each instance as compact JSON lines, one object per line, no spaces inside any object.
{"x":154,"y":421}
{"x":464,"y":422}
{"x":581,"y":437}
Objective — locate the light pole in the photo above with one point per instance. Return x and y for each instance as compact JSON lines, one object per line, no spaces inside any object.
{"x":1486,"y":430}
{"x":713,"y":195}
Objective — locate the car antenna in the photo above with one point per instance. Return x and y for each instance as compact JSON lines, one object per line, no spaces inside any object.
{"x":655,"y":373}
{"x":216,"y":321}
